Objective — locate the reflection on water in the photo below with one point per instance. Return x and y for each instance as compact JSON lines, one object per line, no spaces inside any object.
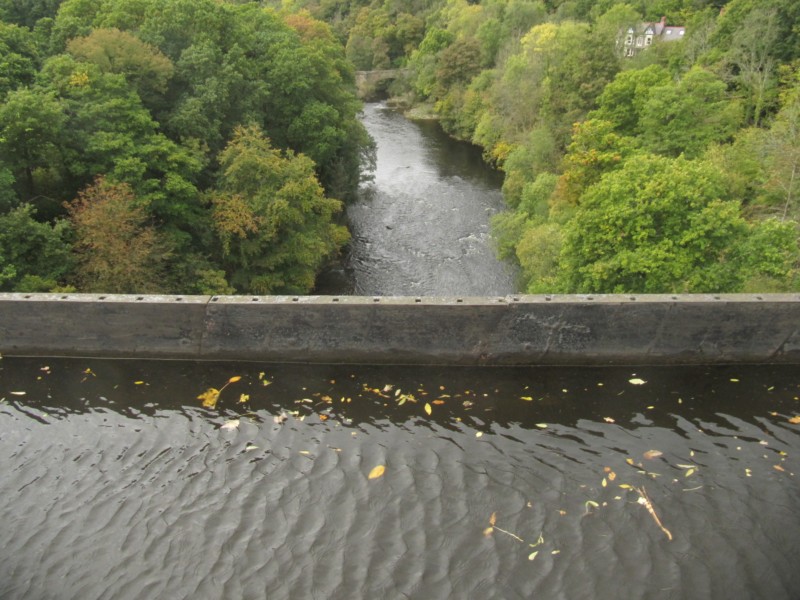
{"x":422,"y":226}
{"x":119,"y":484}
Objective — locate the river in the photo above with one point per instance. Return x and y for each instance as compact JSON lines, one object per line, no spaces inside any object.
{"x":421,"y":228}
{"x":421,"y":483}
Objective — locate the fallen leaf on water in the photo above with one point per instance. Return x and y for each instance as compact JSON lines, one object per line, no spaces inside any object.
{"x":279,"y":418}
{"x":554,"y":552}
{"x":541,"y":425}
{"x":778,"y":468}
{"x":604,"y":482}
{"x":612,"y":476}
{"x":428,"y":408}
{"x":488,"y":531}
{"x":734,"y":380}
{"x":795,"y":420}
{"x":232,"y":424}
{"x":478,"y":434}
{"x":323,"y":417}
{"x":493,"y":519}
{"x":629,"y":461}
{"x":138,"y":383}
{"x":689,"y":472}
{"x":243,"y":398}
{"x":608,"y":420}
{"x":234,"y":379}
{"x":748,"y":472}
{"x":526,"y":398}
{"x":532,"y":555}
{"x":209,"y":397}
{"x":438,"y":402}
{"x":653,"y":454}
{"x":250,"y":447}
{"x":637,"y":381}
{"x":377,"y":472}
{"x":625,"y":486}
{"x":18,"y":393}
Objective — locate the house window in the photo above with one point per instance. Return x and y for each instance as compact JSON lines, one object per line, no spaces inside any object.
{"x":639,"y":41}
{"x":648,"y":40}
{"x":629,"y":39}
{"x":629,"y":52}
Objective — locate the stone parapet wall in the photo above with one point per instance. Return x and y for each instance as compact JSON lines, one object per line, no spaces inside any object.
{"x":511,"y":330}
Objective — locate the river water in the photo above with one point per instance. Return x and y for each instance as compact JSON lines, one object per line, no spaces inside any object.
{"x":425,"y":483}
{"x":422,"y":226}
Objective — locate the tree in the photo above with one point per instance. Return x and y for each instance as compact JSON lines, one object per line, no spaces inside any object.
{"x":686,"y":117}
{"x":752,"y":61}
{"x":274,"y":224}
{"x":31,"y":129}
{"x":622,"y":101}
{"x":116,"y":248}
{"x":660,"y":225}
{"x":115,"y":51}
{"x":19,"y":58}
{"x":39,"y":253}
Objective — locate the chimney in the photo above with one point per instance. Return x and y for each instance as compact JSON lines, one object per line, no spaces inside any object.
{"x":663,"y":22}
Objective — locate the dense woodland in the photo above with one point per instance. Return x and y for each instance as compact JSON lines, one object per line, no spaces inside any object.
{"x":203,"y":146}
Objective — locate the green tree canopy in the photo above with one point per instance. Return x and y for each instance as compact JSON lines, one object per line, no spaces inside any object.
{"x":660,"y":225}
{"x":274,"y":224}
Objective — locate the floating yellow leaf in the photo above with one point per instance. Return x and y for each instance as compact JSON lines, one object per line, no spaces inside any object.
{"x":377,"y":472}
{"x":428,"y":408}
{"x":637,"y":381}
{"x":438,"y":402}
{"x":532,"y":555}
{"x":234,"y":379}
{"x":18,"y":393}
{"x":604,"y":482}
{"x":608,"y":420}
{"x":778,"y":468}
{"x":653,"y":454}
{"x":478,"y":434}
{"x":209,"y":397}
{"x":625,"y":486}
{"x":493,"y":519}
{"x":795,"y":420}
{"x":138,"y":383}
{"x":323,"y":417}
{"x":488,"y":531}
{"x":629,"y":461}
{"x":612,"y":476}
{"x":243,"y":398}
{"x":526,"y":398}
{"x":541,"y":425}
{"x":689,"y":472}
{"x":232,"y":424}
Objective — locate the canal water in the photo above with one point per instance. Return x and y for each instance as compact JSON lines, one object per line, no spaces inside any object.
{"x":425,"y":483}
{"x":421,"y":227}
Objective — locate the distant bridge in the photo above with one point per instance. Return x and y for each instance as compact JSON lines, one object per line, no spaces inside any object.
{"x":370,"y":82}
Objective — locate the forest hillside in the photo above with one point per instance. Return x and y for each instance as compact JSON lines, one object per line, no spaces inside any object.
{"x":205,"y":146}
{"x":634,"y":161}
{"x":189,"y":146}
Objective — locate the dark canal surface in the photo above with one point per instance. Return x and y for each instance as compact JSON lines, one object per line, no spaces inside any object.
{"x":495,"y":483}
{"x":422,"y":226}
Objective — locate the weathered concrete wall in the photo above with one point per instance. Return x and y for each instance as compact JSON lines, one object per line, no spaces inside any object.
{"x":513,"y":330}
